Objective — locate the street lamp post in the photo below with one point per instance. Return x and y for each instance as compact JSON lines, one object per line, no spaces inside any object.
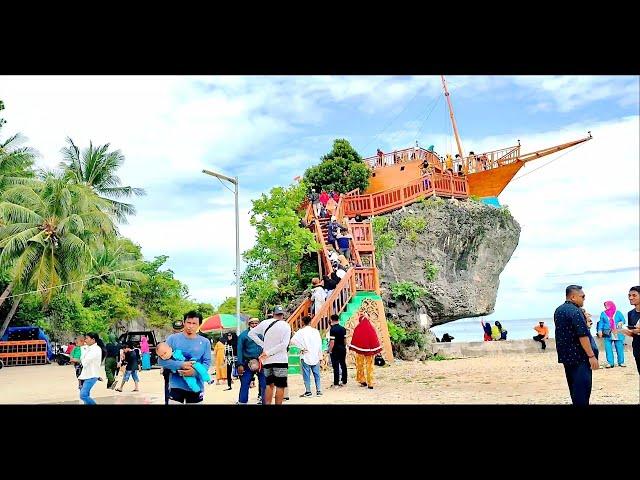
{"x":234,"y":181}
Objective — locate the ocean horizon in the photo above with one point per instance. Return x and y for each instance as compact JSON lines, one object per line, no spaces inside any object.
{"x":470,"y":329}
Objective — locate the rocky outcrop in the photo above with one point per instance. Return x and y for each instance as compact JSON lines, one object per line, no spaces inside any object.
{"x":451,"y":253}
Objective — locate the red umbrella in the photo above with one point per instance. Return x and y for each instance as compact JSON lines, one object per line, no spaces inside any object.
{"x":221,"y":321}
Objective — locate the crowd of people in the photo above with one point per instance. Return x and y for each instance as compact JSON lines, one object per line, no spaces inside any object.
{"x":259,"y":352}
{"x":577,"y":350}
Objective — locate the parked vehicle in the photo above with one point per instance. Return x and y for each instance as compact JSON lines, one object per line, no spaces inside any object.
{"x":134,"y":337}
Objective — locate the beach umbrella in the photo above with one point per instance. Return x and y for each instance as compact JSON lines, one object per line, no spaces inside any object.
{"x":222,"y":321}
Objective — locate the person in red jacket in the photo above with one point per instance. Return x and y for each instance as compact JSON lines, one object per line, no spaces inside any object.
{"x":366,"y":345}
{"x":324,"y":198}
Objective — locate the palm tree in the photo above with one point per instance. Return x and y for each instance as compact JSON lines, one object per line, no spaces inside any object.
{"x":96,"y":168}
{"x":48,"y":233}
{"x":117,"y":263}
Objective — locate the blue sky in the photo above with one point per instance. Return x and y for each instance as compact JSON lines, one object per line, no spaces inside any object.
{"x":579,"y":214}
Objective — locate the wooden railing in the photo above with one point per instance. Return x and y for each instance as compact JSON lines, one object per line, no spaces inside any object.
{"x":295,"y":319}
{"x":362,"y":236}
{"x":337,"y":301}
{"x":400,"y":156}
{"x":387,"y":200}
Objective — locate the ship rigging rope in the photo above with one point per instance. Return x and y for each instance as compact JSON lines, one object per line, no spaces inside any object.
{"x":551,"y":161}
{"x":395,"y":118}
{"x":424,"y":122}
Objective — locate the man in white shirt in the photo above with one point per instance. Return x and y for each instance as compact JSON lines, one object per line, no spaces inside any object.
{"x":308,"y":340}
{"x":274,"y":357}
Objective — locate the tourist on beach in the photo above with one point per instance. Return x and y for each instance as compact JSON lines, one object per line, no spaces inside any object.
{"x":633,"y":320}
{"x":221,"y":366}
{"x":308,"y":340}
{"x":446,"y":338}
{"x":501,"y":331}
{"x":543,"y":334}
{"x":589,"y":322}
{"x":495,"y":332}
{"x":91,"y":357}
{"x":132,"y":359}
{"x":145,"y":352}
{"x":230,"y":356}
{"x":338,"y":351}
{"x":165,"y":352}
{"x":76,"y":355}
{"x":198,"y":348}
{"x":248,"y":364}
{"x":111,"y":361}
{"x":318,"y":294}
{"x":275,"y":360}
{"x":366,"y":344}
{"x":487,"y":330}
{"x":177,"y":326}
{"x":574,"y":345}
{"x":609,"y":326}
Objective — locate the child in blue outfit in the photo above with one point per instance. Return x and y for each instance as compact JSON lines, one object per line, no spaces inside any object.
{"x":165,"y":352}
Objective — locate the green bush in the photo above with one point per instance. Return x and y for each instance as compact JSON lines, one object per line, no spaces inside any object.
{"x":413,"y":224}
{"x":474,"y":198}
{"x":430,"y":271}
{"x":408,"y":291}
{"x":396,"y":333}
{"x":384,"y":240}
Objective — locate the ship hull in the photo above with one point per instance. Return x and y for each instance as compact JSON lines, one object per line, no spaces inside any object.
{"x":488,"y":183}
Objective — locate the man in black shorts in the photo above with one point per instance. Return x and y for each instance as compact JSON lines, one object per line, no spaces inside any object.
{"x":274,"y":357}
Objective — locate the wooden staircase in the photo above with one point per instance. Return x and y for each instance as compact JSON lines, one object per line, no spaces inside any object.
{"x":365,"y":276}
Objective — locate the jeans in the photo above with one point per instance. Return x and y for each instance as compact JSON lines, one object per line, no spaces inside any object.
{"x":131,"y":373}
{"x":85,"y":391}
{"x":339,"y":362}
{"x":579,"y":381}
{"x":306,"y":376}
{"x":539,"y":338}
{"x":245,"y":382}
{"x":608,"y":350}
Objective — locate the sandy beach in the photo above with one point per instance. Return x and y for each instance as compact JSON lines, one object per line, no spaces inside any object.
{"x":534,"y":378}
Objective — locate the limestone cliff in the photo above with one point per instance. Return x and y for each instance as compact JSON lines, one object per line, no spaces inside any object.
{"x":450,"y":254}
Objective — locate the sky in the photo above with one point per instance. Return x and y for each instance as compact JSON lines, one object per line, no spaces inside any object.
{"x":579,"y":214}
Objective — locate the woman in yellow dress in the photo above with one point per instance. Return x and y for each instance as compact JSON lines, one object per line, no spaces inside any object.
{"x":221,"y":365}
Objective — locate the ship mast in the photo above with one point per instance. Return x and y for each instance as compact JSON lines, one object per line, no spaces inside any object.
{"x":453,"y":119}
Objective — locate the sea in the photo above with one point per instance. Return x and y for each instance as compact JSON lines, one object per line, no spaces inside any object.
{"x":470,"y":329}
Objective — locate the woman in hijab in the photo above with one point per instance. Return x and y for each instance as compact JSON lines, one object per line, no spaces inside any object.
{"x":366,"y":345}
{"x":221,"y":368}
{"x":90,"y":358}
{"x":146,"y":353}
{"x":487,"y":330}
{"x":611,"y":321}
{"x":503,"y":332}
{"x":230,"y":355}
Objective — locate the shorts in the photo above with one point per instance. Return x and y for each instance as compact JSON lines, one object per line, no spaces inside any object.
{"x":276,"y":374}
{"x":185,"y":396}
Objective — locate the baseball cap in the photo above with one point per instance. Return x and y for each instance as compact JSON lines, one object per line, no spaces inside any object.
{"x":177,"y":325}
{"x":278,"y":309}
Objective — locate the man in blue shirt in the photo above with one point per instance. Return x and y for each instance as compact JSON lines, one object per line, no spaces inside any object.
{"x":193,"y":345}
{"x":573,"y":343}
{"x":633,"y":320}
{"x":249,"y":350}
